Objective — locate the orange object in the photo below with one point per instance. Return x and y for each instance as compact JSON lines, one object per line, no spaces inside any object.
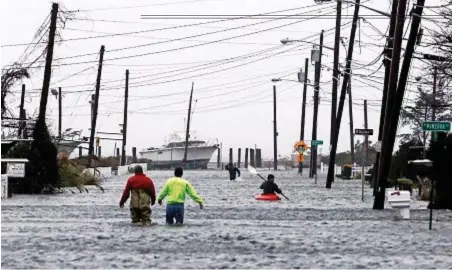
{"x":301,"y":147}
{"x":300,"y":158}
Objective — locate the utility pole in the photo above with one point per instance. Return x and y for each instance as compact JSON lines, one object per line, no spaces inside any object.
{"x":124,"y":123}
{"x":387,"y":63}
{"x":386,"y":147}
{"x":59,"y":114}
{"x":48,"y":66}
{"x":350,"y":112}
{"x":318,"y":68}
{"x":331,"y":167}
{"x":337,"y":38}
{"x":22,"y":122}
{"x":366,"y":137}
{"x":95,"y":106}
{"x":303,"y":109}
{"x":187,"y":134}
{"x":435,"y":74}
{"x":275,"y":132}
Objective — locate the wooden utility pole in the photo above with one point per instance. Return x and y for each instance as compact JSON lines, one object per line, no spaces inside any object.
{"x":331,"y":167}
{"x":387,"y":63}
{"x":303,"y":109}
{"x":48,"y":65}
{"x":303,"y":104}
{"x":22,"y":117}
{"x":350,"y":113}
{"x":318,"y":68}
{"x":337,"y":37}
{"x":435,"y":74}
{"x":398,"y":90}
{"x":275,"y":133}
{"x":231,"y":158}
{"x":124,"y":123}
{"x":366,"y":137}
{"x":187,"y":132}
{"x":60,"y":116}
{"x":95,"y":106}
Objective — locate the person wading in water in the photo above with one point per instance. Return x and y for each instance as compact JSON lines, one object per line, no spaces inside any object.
{"x":175,"y":189}
{"x":143,"y":194}
{"x":233,"y":171}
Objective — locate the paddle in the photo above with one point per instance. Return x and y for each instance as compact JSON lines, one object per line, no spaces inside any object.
{"x":252,"y":170}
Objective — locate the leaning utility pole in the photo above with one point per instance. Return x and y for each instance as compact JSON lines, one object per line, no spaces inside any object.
{"x":60,"y":123}
{"x":95,"y":105}
{"x":387,"y":63}
{"x":331,"y":166}
{"x":386,"y":147}
{"x":389,"y":134}
{"x":187,"y":134}
{"x":275,"y":133}
{"x":124,"y":123}
{"x":350,"y":113}
{"x":48,"y":66}
{"x":22,"y":122}
{"x":366,"y":137}
{"x":303,"y":109}
{"x":337,"y":38}
{"x":318,"y":68}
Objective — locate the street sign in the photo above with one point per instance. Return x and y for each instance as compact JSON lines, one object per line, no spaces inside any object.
{"x":363,"y":131}
{"x":435,"y":126}
{"x":316,"y":142}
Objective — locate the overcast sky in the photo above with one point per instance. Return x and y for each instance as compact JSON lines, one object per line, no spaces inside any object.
{"x":232,"y":98}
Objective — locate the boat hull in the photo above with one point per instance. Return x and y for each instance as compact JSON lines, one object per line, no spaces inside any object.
{"x":67,"y":145}
{"x":197,"y":157}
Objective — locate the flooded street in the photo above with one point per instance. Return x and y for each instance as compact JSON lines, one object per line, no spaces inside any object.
{"x":317,"y":228}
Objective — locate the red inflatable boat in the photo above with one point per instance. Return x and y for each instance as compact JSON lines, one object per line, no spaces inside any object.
{"x":268,"y":197}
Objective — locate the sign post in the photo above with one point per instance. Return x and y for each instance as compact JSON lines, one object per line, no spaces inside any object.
{"x":366,"y":132}
{"x":434,"y":126}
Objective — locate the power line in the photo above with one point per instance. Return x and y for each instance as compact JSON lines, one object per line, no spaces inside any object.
{"x":142,"y":6}
{"x":166,"y":28}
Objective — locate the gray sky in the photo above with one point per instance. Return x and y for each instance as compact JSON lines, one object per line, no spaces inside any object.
{"x":233,"y":105}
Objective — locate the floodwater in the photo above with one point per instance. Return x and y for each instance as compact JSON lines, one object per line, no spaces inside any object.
{"x":317,"y":228}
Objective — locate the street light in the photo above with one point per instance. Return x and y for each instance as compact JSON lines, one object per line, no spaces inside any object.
{"x":361,"y":5}
{"x":287,"y":80}
{"x":287,"y":40}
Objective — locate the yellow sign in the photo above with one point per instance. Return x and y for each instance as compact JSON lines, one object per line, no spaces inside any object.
{"x":301,"y":147}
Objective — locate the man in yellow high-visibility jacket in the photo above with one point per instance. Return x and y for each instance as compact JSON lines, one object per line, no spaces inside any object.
{"x":175,"y":189}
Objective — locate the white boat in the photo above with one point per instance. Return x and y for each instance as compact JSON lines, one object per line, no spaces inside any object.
{"x":171,"y":154}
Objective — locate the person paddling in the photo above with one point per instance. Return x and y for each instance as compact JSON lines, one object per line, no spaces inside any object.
{"x":233,"y":171}
{"x":175,"y":189}
{"x":143,"y":194}
{"x":269,"y":186}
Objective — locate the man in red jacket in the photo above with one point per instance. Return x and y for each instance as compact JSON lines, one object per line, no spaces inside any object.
{"x":143,"y":194}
